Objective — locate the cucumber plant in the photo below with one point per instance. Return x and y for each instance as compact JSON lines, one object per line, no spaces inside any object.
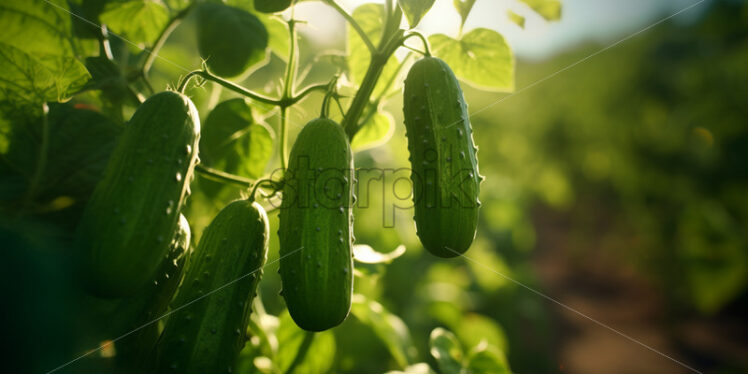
{"x":123,"y":248}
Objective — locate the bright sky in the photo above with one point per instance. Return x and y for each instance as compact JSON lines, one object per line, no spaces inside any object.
{"x":604,"y":21}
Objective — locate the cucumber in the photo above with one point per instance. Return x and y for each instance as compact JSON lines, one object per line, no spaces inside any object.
{"x":315,"y":229}
{"x":443,"y":159}
{"x":207,"y":328}
{"x":126,"y":227}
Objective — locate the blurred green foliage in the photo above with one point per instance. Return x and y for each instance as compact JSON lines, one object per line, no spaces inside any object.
{"x":649,"y":138}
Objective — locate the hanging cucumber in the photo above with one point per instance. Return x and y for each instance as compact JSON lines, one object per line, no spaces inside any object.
{"x":126,"y":227}
{"x":443,"y":158}
{"x":316,"y":227}
{"x":212,"y":307}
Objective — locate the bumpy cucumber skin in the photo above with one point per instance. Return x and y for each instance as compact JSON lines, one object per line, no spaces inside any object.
{"x":126,"y":227}
{"x":133,"y":351}
{"x":316,"y":227}
{"x":212,"y":306}
{"x":445,"y":174}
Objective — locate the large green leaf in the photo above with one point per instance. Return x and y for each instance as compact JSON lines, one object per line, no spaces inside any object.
{"x":140,"y":21}
{"x":548,"y":9}
{"x":472,"y":329}
{"x":34,"y":79}
{"x":233,"y":142}
{"x":36,"y":27}
{"x":482,"y":58}
{"x":415,"y":10}
{"x":371,"y":19}
{"x":79,"y":143}
{"x":271,"y":6}
{"x":486,"y":359}
{"x":446,"y":350}
{"x":319,"y":356}
{"x":377,"y":130}
{"x":388,"y":327}
{"x":36,"y":54}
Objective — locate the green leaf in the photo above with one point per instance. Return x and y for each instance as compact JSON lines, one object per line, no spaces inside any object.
{"x":446,"y":350}
{"x":390,"y":329}
{"x":473,"y":329}
{"x":419,"y":368}
{"x":516,"y":18}
{"x":377,"y":130}
{"x":485,"y":359}
{"x":371,"y":19}
{"x":140,"y":21}
{"x":272,"y":6}
{"x":277,"y":35}
{"x":85,"y":18}
{"x":34,"y":79}
{"x":464,"y":7}
{"x":415,"y":10}
{"x":79,"y":144}
{"x":367,"y":255}
{"x":230,"y":39}
{"x":481,"y":58}
{"x":35,"y":51}
{"x":548,"y":9}
{"x":36,"y":27}
{"x":233,"y":142}
{"x":321,"y":352}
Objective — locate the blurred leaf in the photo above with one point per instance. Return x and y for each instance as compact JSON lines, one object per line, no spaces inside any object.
{"x":140,"y":21}
{"x":415,"y":10}
{"x":420,"y":368}
{"x":486,"y":359}
{"x":388,"y":327}
{"x":446,"y":350}
{"x":271,"y":6}
{"x":366,"y":254}
{"x":377,"y":130}
{"x":321,"y":352}
{"x":548,"y":9}
{"x":713,"y":251}
{"x":487,"y":266}
{"x":474,"y":328}
{"x":516,"y":18}
{"x":230,"y":39}
{"x":80,"y":142}
{"x":371,"y":19}
{"x":278,"y":40}
{"x":232,"y":142}
{"x":84,"y":17}
{"x":107,"y":77}
{"x":482,"y":58}
{"x":463,"y":8}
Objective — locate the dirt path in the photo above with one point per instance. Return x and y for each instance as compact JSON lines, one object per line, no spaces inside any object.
{"x":599,"y":285}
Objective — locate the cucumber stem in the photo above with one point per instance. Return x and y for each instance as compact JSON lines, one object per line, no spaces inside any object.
{"x":221,"y":176}
{"x":353,"y":24}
